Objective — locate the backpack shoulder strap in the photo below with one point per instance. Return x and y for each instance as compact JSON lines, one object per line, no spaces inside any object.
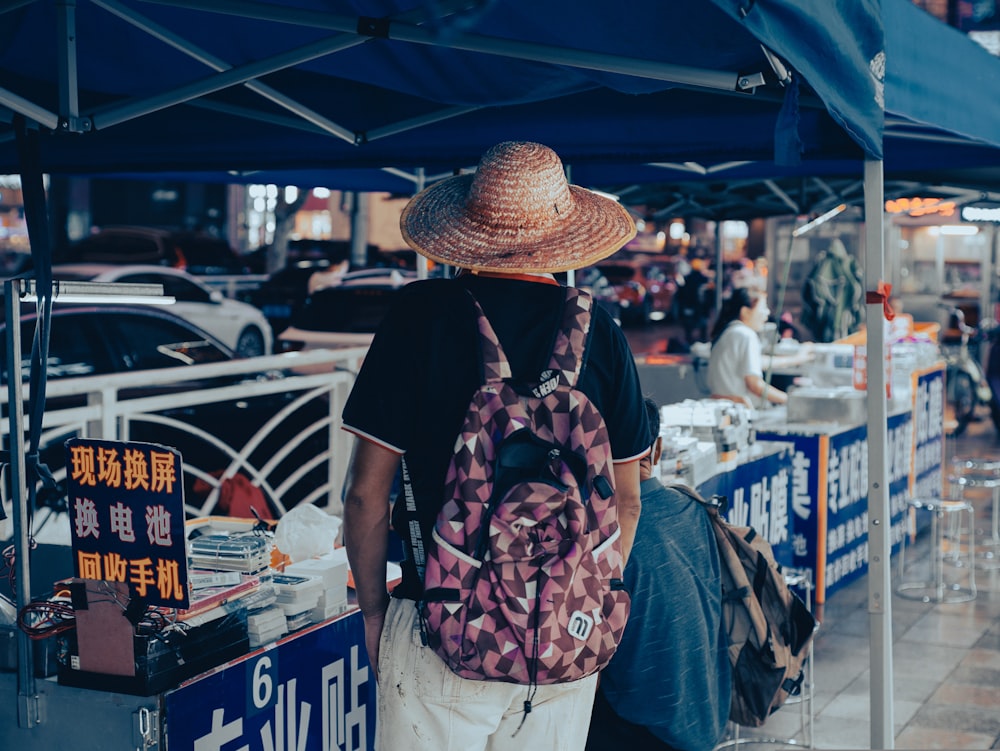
{"x":568,"y":350}
{"x":495,"y":366}
{"x":570,"y":347}
{"x":718,"y":504}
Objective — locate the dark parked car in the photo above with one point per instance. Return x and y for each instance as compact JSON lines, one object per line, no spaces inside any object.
{"x":345,"y":314}
{"x":195,"y":252}
{"x":284,"y":292}
{"x":95,"y":341}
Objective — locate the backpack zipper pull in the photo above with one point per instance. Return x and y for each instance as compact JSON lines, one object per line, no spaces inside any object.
{"x":524,"y":715}
{"x":555,"y":464}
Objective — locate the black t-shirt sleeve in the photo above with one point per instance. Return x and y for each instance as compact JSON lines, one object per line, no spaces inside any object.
{"x":377,"y":405}
{"x":420,"y":372}
{"x":394,"y":390}
{"x":624,"y":412}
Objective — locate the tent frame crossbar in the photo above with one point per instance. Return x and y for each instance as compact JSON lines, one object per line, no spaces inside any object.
{"x":352,"y":32}
{"x":168,"y":37}
{"x":701,"y":78}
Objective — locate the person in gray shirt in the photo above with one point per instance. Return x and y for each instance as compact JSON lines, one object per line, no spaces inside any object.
{"x":669,"y":684}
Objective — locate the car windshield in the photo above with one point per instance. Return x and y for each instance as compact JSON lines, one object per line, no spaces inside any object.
{"x":147,"y":342}
{"x":202,"y":252}
{"x":357,"y":310}
{"x":98,"y":342}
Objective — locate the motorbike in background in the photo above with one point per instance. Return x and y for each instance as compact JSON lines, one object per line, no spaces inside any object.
{"x":969,"y":387}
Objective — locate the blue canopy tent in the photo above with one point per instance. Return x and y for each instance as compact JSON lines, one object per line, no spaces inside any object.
{"x":360,"y":82}
{"x":763,"y":87}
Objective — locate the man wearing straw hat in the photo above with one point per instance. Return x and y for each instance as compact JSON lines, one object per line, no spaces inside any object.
{"x":509,"y":228}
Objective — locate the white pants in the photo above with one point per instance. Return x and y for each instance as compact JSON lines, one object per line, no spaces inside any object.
{"x":422,"y":704}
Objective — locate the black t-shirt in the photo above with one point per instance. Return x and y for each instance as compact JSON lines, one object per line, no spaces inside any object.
{"x":423,"y":367}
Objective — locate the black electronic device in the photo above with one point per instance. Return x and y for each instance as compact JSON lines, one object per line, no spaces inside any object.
{"x":164,"y":659}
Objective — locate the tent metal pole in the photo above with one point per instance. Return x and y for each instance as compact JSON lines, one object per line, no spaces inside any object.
{"x":28,"y":701}
{"x":166,"y":36}
{"x":418,"y":186}
{"x":401,"y":174}
{"x":68,"y":117}
{"x":783,"y":196}
{"x":720,"y":270}
{"x":316,"y":19}
{"x":964,"y":194}
{"x":879,"y":513}
{"x":822,"y":185}
{"x":417,"y":122}
{"x":986,"y":274}
{"x":261,"y":117}
{"x":696,"y":168}
{"x":29,"y":109}
{"x":10,"y":5}
{"x":933,"y":138}
{"x":234,"y":76}
{"x":359,"y":228}
{"x":69,"y":91}
{"x":699,"y":78}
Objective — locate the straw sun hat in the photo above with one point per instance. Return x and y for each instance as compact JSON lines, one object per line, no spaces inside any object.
{"x":517,"y":213}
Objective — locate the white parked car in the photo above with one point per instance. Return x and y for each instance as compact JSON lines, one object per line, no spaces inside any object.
{"x":241,"y":327}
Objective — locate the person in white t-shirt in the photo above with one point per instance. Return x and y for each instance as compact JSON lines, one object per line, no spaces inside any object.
{"x":735,"y":367}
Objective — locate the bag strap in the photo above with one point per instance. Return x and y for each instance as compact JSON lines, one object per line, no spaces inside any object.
{"x":568,"y":349}
{"x":717,"y":503}
{"x":746,"y":591}
{"x":571,"y":340}
{"x":494,"y":361}
{"x":417,"y":548}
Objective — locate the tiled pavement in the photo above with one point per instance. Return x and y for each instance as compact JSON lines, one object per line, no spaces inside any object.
{"x":946,"y":658}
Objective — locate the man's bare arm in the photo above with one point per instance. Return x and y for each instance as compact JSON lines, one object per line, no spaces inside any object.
{"x":366,"y":531}
{"x":628,"y":502}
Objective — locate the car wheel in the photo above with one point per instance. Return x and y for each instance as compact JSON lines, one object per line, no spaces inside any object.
{"x":250,"y":343}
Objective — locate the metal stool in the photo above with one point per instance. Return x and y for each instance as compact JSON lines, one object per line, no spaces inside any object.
{"x":935,"y":589}
{"x":984,"y":474}
{"x":801,"y":578}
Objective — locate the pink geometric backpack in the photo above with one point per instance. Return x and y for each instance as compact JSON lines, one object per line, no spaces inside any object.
{"x":524,"y":580}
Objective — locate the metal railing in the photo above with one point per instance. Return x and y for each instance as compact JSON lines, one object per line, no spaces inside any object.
{"x":307,"y":467}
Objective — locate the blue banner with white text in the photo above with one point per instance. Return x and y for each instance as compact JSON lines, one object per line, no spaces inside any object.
{"x":312,"y":691}
{"x":759,"y":493}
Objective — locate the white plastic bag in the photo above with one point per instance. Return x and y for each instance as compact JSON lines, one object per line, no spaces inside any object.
{"x":306,"y":532}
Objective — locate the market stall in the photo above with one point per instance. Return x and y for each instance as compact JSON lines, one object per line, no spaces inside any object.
{"x":799,"y":474}
{"x":205,"y":620}
{"x":310,"y":690}
{"x":117,"y":109}
{"x":830,"y":481}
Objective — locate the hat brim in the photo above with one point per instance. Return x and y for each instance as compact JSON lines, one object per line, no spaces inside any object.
{"x":436,"y":224}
